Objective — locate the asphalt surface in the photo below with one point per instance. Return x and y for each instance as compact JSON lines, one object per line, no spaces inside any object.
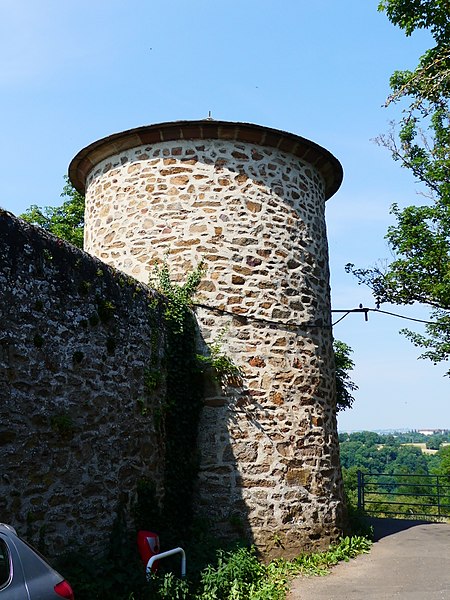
{"x":409,"y":561}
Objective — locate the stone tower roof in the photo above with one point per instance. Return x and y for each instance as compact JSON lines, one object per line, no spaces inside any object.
{"x":329,"y":167}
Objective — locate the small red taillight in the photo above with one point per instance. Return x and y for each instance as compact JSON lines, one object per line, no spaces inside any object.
{"x":64,"y":590}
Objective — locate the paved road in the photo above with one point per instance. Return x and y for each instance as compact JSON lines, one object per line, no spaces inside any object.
{"x":410,"y":561}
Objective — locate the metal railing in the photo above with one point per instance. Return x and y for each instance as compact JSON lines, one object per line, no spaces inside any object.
{"x":167,"y":553}
{"x":405,"y":495}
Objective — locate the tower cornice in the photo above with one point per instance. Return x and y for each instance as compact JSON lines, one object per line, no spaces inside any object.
{"x":327,"y":164}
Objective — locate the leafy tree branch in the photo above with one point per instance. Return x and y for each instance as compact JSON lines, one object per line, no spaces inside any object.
{"x":65,"y":221}
{"x":344,"y":385}
{"x":420,"y":239}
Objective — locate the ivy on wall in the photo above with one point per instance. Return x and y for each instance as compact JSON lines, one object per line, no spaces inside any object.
{"x":180,"y":412}
{"x":178,"y":417}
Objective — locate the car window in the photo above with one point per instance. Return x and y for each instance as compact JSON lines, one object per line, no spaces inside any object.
{"x":4,"y":563}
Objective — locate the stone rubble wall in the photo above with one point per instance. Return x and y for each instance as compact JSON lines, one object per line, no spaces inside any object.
{"x":76,"y":422}
{"x":255,"y":215}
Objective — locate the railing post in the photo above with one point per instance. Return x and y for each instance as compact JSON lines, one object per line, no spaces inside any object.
{"x":438,"y":496}
{"x":360,"y":490}
{"x":431,"y":499}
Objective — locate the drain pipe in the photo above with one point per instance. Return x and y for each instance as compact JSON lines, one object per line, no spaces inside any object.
{"x":161,"y":555}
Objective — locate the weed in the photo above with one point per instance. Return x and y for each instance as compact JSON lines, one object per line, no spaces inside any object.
{"x":84,"y":287}
{"x":105,"y":309}
{"x":47,"y":254}
{"x":178,"y":297}
{"x":152,"y":379}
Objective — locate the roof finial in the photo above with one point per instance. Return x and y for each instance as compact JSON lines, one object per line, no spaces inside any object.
{"x":209,"y":117}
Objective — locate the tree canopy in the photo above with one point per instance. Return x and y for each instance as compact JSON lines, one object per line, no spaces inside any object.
{"x":65,"y":221}
{"x":420,"y":142}
{"x":381,"y":453}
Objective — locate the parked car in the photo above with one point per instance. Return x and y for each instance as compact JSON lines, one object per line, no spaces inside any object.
{"x":25,"y":574}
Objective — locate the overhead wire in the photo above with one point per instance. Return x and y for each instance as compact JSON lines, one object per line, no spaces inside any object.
{"x":378,"y":310}
{"x":386,"y":312}
{"x":319,"y":325}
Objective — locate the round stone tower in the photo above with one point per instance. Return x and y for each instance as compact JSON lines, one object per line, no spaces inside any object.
{"x":249,"y":201}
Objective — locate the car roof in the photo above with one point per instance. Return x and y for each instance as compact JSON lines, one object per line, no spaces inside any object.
{"x":7,"y":528}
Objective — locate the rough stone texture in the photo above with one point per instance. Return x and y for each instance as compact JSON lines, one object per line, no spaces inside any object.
{"x":255,"y":215}
{"x":76,"y":424}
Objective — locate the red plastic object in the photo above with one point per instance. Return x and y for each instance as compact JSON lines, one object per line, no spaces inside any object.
{"x":148,"y":545}
{"x":64,"y":590}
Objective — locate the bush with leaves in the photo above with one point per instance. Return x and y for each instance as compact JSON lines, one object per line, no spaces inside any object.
{"x":344,"y":385}
{"x":65,"y":221}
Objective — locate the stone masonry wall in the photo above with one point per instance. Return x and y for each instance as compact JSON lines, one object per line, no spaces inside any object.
{"x":255,"y":215}
{"x":75,"y":339}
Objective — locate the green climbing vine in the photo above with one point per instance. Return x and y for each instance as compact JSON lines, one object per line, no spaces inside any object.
{"x":178,"y":297}
{"x":223,"y":368}
{"x":179,"y":304}
{"x":178,"y":414}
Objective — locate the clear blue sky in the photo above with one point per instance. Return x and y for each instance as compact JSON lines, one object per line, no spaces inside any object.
{"x":75,"y":71}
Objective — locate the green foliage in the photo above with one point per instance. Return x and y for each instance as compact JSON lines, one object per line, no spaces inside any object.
{"x":434,"y":442}
{"x":65,"y":221}
{"x":239,"y":575}
{"x":152,"y":379}
{"x":105,"y":309}
{"x":179,"y":297}
{"x":232,"y":575}
{"x":437,"y":338}
{"x":84,"y":287}
{"x":178,"y":415}
{"x":236,"y":576}
{"x":223,"y":367}
{"x":420,"y":239}
{"x":381,"y":454}
{"x":394,"y":457}
{"x":419,"y":14}
{"x":344,"y":385}
{"x":442,"y":465}
{"x":168,"y":587}
{"x":348,"y":547}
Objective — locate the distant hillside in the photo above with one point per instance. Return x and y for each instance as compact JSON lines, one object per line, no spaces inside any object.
{"x":398,"y":452}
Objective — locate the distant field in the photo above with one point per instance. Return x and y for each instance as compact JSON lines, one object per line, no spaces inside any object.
{"x":421,"y":445}
{"x":424,"y":448}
